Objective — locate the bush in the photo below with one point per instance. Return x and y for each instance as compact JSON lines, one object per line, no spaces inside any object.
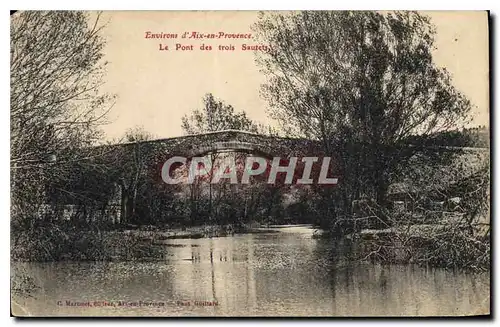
{"x":455,"y":249}
{"x":53,"y":243}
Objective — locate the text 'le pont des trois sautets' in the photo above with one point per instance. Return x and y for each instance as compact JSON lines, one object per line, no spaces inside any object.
{"x":183,"y":41}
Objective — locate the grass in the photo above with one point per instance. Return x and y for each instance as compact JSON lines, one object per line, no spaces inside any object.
{"x":450,"y":247}
{"x":54,"y":244}
{"x":57,"y":243}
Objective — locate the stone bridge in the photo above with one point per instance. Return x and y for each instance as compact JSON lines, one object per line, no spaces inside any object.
{"x":122,"y":159}
{"x":198,"y":145}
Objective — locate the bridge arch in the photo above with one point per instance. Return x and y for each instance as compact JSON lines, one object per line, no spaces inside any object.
{"x":232,"y":146}
{"x":198,"y":145}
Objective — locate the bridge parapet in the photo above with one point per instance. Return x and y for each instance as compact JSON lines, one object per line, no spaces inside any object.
{"x":227,"y":140}
{"x":248,"y":142}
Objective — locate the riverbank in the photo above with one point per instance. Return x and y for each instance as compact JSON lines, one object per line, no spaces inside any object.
{"x":145,"y":243}
{"x":450,"y":246}
{"x":285,"y":273}
{"x":436,"y":246}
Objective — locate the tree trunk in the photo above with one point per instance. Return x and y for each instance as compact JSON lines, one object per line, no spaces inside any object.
{"x":132,"y":206}
{"x":124,"y":208}
{"x":382,"y":187}
{"x":210,"y":201}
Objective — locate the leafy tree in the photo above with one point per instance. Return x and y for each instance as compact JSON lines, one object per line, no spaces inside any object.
{"x":363,"y":83}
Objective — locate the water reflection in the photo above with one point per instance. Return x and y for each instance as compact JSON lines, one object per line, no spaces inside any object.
{"x":283,"y":272}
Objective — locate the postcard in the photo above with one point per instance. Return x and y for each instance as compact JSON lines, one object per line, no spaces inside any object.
{"x":250,"y":164}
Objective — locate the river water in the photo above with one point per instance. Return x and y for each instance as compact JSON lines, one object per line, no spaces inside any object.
{"x":281,"y":272}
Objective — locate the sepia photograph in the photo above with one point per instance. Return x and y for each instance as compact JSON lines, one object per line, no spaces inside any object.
{"x":250,"y":164}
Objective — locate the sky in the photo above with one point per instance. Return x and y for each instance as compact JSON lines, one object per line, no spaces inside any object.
{"x":155,"y":88}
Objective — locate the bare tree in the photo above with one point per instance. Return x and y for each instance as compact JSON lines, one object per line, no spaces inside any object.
{"x":134,"y":161}
{"x":56,"y":108}
{"x":216,"y":116}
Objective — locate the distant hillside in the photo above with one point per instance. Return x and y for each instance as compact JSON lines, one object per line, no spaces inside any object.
{"x":475,"y":137}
